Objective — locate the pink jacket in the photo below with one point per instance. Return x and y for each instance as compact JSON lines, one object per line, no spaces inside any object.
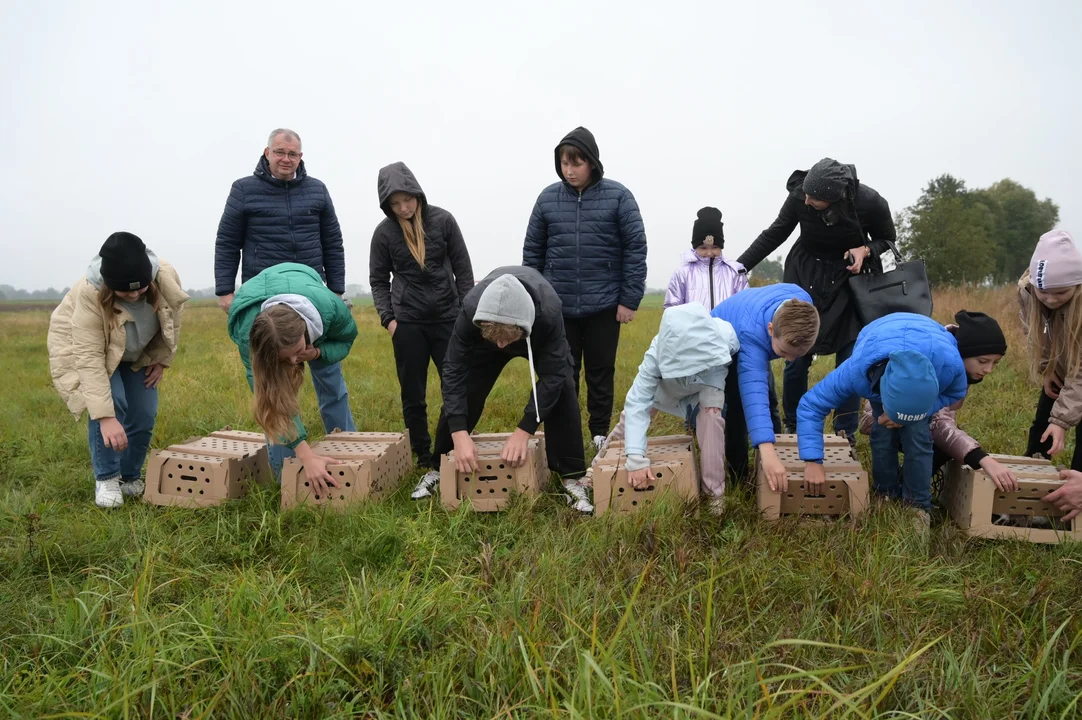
{"x":692,"y":280}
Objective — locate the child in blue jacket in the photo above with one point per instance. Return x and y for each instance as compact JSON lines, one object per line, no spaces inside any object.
{"x":776,"y":321}
{"x":909,"y":367}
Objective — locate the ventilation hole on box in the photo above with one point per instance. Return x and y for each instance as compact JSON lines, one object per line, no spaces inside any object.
{"x":202,"y":469}
{"x":341,"y":497}
{"x":479,"y":491}
{"x":178,"y":490}
{"x":621,"y":489}
{"x":189,"y":478}
{"x":341,"y":473}
{"x":317,"y":497}
{"x":492,"y":491}
{"x":200,"y":492}
{"x":488,"y":466}
{"x":502,"y":467}
{"x":503,"y":489}
{"x":833,"y":487}
{"x":170,"y":474}
{"x":508,"y":477}
{"x":189,"y":491}
{"x":790,"y":494}
{"x":634,"y":502}
{"x":348,"y":485}
{"x":191,"y":467}
{"x":306,"y":483}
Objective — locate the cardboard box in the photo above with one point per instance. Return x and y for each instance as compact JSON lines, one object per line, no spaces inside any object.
{"x":491,"y":487}
{"x":845,"y":491}
{"x":672,"y":461}
{"x":973,"y":501}
{"x":373,"y":466}
{"x":202,"y":472}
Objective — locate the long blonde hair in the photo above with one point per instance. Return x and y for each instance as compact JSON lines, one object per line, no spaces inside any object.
{"x":1055,"y":336}
{"x":414,"y":232}
{"x":276,"y":382}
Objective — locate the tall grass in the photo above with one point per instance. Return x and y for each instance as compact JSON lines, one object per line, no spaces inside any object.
{"x":401,"y":609}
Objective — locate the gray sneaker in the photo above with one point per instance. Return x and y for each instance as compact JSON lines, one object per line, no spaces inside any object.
{"x":599,"y":443}
{"x":132,"y":488}
{"x":428,"y":481}
{"x":578,"y":496}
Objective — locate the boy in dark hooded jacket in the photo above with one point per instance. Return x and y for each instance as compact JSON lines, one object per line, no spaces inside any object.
{"x":513,"y":312}
{"x":586,"y":237}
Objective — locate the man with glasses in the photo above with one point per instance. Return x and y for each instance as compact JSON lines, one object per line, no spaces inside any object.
{"x":281,"y":214}
{"x":278,"y":214}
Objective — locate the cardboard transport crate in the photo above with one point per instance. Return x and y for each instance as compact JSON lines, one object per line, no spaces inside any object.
{"x":845,"y":491}
{"x":373,"y":465}
{"x":672,"y":462}
{"x":974,"y":501}
{"x":491,"y":487}
{"x":202,"y":472}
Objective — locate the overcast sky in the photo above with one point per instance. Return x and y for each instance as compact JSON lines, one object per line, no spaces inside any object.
{"x":139,"y":115}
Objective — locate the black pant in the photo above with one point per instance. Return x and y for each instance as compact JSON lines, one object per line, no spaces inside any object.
{"x":1040,"y":424}
{"x":736,"y":424}
{"x":795,"y":384}
{"x":593,"y":340}
{"x":414,"y":345}
{"x":563,"y":426}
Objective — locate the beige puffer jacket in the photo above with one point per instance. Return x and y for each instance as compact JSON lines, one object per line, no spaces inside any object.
{"x":85,"y":347}
{"x":1067,"y":411}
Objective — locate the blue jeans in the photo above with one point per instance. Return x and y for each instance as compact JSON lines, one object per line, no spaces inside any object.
{"x":333,"y":398}
{"x":795,"y":384}
{"x":136,"y":408}
{"x":915,"y":443}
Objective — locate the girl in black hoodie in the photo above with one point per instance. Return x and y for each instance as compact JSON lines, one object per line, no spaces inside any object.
{"x":419,"y":271}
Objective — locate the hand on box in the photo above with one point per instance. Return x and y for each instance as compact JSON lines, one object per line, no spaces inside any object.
{"x":1001,"y":476}
{"x":516,"y":448}
{"x":773,"y":467}
{"x":1069,"y":497}
{"x":315,"y":469}
{"x":465,"y":452}
{"x":815,"y":476}
{"x":640,"y":479}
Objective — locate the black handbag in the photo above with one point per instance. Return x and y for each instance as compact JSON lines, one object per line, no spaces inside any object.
{"x":903,"y":289}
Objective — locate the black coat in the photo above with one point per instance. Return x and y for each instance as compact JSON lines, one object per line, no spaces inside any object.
{"x":817,"y":260}
{"x":270,"y":221}
{"x":551,"y":354}
{"x":429,"y":294}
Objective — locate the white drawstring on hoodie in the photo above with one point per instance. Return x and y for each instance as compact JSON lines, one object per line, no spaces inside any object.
{"x":533,"y":379}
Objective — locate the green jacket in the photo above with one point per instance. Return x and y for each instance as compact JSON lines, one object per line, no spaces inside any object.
{"x":339,"y":329}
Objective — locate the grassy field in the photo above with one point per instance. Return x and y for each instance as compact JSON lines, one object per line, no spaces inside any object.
{"x":401,"y":609}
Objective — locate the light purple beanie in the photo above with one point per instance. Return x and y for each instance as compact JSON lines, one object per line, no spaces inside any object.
{"x":1056,"y":262}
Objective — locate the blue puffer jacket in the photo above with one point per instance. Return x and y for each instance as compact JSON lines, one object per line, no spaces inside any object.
{"x":875,"y":343}
{"x":270,"y":221}
{"x":591,"y":247}
{"x":748,"y":312}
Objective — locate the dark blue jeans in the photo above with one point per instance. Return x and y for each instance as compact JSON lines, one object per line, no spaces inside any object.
{"x":913,"y":485}
{"x":795,"y":384}
{"x":136,"y":408}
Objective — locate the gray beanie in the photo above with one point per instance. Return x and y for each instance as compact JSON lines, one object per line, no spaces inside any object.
{"x":506,"y":301}
{"x":827,"y":180}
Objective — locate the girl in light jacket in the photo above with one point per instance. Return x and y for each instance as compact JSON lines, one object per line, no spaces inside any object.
{"x":110,"y":340}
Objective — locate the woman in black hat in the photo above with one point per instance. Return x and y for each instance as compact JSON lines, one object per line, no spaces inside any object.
{"x":110,"y":340}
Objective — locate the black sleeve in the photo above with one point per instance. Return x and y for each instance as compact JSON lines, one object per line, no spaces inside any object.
{"x":973,"y":458}
{"x":456,"y":367}
{"x":380,"y":267}
{"x":878,"y":225}
{"x":334,"y":253}
{"x":771,"y":239}
{"x":459,"y":257}
{"x":552,"y":363}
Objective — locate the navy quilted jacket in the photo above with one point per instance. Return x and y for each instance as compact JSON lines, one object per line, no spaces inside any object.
{"x":269,"y":221}
{"x":590,"y":246}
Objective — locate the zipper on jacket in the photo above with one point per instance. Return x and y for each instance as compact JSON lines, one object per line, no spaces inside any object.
{"x":289,"y":218}
{"x":713,"y":302}
{"x":578,"y":255}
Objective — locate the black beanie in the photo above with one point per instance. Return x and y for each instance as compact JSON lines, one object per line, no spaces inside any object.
{"x":708,"y":223}
{"x":978,"y":334}
{"x":125,"y":265}
{"x":828,"y":180}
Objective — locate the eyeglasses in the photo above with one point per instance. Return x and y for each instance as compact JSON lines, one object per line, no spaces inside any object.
{"x":286,"y":154}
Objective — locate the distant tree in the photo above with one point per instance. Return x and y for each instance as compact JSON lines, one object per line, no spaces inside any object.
{"x":767,"y":272}
{"x":971,"y":236}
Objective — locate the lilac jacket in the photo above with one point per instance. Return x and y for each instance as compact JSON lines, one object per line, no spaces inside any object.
{"x":692,"y":281}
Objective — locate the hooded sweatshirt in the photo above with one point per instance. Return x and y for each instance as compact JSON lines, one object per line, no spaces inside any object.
{"x":685,"y":365}
{"x":403,"y":290}
{"x":591,"y":246}
{"x":522,"y":297}
{"x":706,"y":281}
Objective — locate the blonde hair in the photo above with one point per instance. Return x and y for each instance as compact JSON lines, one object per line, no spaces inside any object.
{"x":797,"y":323}
{"x":414,"y":232}
{"x":1055,"y":336}
{"x":108,"y":299}
{"x":276,"y":382}
{"x":501,"y":332}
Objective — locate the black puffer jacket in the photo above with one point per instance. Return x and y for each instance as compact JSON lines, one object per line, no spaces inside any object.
{"x":551,"y":354}
{"x":591,"y":245}
{"x":272,"y":221}
{"x":817,"y":260}
{"x":429,"y":294}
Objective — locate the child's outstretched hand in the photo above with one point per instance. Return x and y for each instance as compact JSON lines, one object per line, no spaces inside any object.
{"x":640,"y":479}
{"x":1001,"y":476}
{"x":1059,"y":438}
{"x":773,"y":467}
{"x":814,"y":478}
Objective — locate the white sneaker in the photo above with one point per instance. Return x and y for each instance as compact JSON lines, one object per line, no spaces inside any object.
{"x":599,"y":442}
{"x":132,"y":488}
{"x":716,"y":505}
{"x":578,"y":496}
{"x":107,"y":493}
{"x":428,"y":481}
